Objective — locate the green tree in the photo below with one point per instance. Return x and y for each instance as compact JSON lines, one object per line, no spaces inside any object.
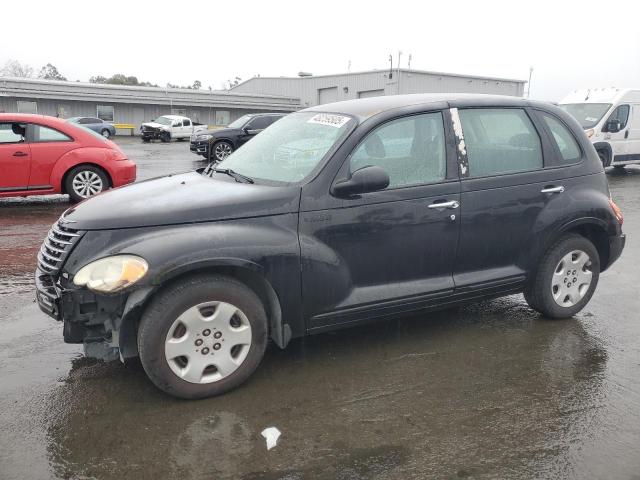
{"x":120,"y":79}
{"x":50,"y":72}
{"x":197,"y":85}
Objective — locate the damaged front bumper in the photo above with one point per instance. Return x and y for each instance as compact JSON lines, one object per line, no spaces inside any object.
{"x":150,"y":133}
{"x":105,"y":324}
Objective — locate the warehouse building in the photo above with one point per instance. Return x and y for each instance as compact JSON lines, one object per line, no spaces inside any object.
{"x":132,"y":104}
{"x":316,"y":90}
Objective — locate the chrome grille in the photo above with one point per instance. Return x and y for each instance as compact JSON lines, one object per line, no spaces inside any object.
{"x":56,"y":247}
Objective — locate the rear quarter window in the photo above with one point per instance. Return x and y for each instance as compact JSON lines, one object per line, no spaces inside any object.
{"x":566,"y":142}
{"x":46,"y":134}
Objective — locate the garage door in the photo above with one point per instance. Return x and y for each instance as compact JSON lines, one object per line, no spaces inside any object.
{"x":327,"y":95}
{"x":370,"y":93}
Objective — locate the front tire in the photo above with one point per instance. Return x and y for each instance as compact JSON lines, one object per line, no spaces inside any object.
{"x":222,"y":150}
{"x":85,"y":181}
{"x":203,"y":336}
{"x":566,"y":278}
{"x":165,"y":137}
{"x":604,"y":158}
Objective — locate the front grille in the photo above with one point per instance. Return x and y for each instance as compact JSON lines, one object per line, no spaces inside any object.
{"x":56,"y":247}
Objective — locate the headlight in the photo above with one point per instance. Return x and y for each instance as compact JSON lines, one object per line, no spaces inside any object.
{"x":111,"y":274}
{"x":204,"y":137}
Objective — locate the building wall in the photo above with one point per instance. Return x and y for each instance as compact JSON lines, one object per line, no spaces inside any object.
{"x":135,"y":105}
{"x":362,"y":84}
{"x":123,"y":112}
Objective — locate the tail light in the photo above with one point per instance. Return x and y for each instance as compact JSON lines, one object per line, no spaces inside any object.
{"x":616,"y":211}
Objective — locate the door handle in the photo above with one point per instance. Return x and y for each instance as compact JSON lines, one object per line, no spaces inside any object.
{"x":20,"y":154}
{"x":449,"y":204}
{"x":559,"y":189}
{"x":626,"y":134}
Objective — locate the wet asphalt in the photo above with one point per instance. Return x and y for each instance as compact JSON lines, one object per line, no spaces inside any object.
{"x":491,"y":390}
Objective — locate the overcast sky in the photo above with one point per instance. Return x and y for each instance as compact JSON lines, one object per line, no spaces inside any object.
{"x":569,"y":44}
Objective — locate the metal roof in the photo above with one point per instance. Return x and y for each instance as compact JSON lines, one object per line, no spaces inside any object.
{"x":404,"y":70}
{"x":82,"y":91}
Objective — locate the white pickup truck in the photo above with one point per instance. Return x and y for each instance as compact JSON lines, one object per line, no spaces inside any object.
{"x":168,"y":127}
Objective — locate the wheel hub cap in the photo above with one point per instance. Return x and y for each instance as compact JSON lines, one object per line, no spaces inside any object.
{"x":571,"y":278}
{"x":208,"y":342}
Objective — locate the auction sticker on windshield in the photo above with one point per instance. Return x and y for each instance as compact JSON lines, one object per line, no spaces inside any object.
{"x":329,"y":119}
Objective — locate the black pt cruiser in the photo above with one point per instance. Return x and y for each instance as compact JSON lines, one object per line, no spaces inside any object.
{"x":335,"y":215}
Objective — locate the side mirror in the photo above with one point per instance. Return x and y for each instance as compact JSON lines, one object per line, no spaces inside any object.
{"x":364,"y":180}
{"x":614,"y":126}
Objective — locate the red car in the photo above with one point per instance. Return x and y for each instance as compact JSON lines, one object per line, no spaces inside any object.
{"x":42,"y":155}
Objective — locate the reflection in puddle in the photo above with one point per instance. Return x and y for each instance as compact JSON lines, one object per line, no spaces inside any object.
{"x":404,"y":396}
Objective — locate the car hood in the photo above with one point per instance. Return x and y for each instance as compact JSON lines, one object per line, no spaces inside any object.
{"x":180,"y":199}
{"x":155,"y":125}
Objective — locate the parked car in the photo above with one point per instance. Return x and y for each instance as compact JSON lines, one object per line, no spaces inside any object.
{"x":224,"y":141}
{"x":336,"y":215}
{"x":611,"y":120}
{"x":168,"y":127}
{"x":97,"y":125}
{"x":42,"y":155}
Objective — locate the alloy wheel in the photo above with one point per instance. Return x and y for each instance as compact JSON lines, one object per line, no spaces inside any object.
{"x":222,"y":150}
{"x":87,"y":183}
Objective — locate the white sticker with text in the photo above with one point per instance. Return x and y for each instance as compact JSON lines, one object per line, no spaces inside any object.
{"x":329,"y":119}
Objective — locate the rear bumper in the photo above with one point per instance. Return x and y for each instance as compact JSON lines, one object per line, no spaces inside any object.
{"x":122,"y":172}
{"x":616,"y":245}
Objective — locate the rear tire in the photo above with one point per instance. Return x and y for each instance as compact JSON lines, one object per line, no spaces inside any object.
{"x":146,"y":140}
{"x":197,"y":309}
{"x":85,"y":181}
{"x":105,"y":133}
{"x":566,"y":278}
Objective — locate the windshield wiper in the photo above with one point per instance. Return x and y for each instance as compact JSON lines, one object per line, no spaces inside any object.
{"x":238,"y":177}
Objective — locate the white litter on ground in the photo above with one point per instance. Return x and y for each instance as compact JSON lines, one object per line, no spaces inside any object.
{"x":271,"y":434}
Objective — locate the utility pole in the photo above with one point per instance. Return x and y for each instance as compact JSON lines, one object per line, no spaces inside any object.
{"x":529,"y":82}
{"x":409,"y":63}
{"x":390,"y":66}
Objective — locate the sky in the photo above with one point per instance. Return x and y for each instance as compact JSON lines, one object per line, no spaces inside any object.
{"x":569,"y":44}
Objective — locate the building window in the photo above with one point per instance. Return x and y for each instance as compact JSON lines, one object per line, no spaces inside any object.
{"x":105,"y":113}
{"x":63,"y":111}
{"x":223,"y":117}
{"x":179,"y":111}
{"x":27,"y":107}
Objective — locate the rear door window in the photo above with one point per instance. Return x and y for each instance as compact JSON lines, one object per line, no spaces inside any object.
{"x":411,"y":150}
{"x":569,"y":150}
{"x":500,"y":140}
{"x":187,"y":122}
